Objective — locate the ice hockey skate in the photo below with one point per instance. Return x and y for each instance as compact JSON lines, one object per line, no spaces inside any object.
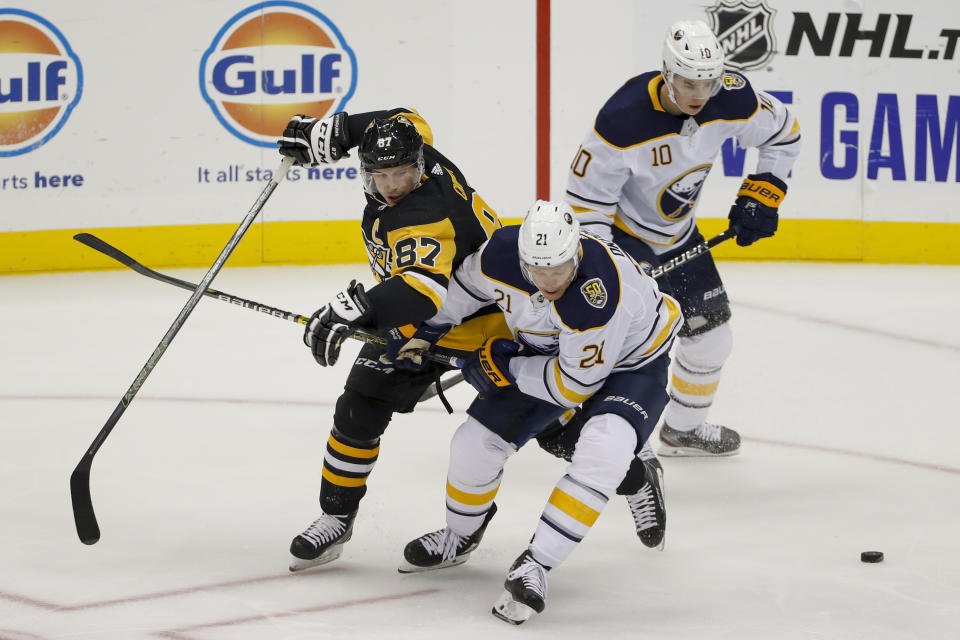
{"x":649,"y":508}
{"x":525,"y":591}
{"x":706,"y":440}
{"x":322,"y":542}
{"x":442,"y":549}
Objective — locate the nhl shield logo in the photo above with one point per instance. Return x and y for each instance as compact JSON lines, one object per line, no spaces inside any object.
{"x":745,"y":31}
{"x":594,"y":293}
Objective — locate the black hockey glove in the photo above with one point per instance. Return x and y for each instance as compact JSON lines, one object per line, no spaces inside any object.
{"x":330,"y":325}
{"x":408,"y":354}
{"x":754,"y":214}
{"x":311,"y":142}
{"x":488,"y":368}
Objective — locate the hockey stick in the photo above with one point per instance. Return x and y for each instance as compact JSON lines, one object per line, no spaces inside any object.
{"x":695,"y":252}
{"x":110,"y":251}
{"x":83,"y":514}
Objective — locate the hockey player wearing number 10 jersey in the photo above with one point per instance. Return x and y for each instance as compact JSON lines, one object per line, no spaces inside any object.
{"x":590,"y":328}
{"x":636,"y":180}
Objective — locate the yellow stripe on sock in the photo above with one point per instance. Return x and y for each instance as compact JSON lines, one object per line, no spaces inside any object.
{"x":472,"y":499}
{"x":692,"y":389}
{"x":353,"y":452}
{"x":573,"y":507}
{"x":342,"y":481}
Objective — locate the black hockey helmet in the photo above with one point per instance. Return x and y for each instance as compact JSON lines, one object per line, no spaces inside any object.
{"x":389,"y":143}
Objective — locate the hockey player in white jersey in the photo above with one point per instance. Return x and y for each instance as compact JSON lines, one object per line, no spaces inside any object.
{"x":636,"y":180}
{"x":590,"y":328}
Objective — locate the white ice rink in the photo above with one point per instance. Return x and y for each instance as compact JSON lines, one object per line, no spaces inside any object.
{"x":843,"y":381}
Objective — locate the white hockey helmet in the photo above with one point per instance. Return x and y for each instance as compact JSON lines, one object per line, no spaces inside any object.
{"x":692,"y":51}
{"x":549,"y":237}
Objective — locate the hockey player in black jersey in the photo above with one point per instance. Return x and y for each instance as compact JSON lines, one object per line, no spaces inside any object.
{"x":421,"y":219}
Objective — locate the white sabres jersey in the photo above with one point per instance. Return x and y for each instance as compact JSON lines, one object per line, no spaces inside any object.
{"x":641,"y":169}
{"x":612,"y":317}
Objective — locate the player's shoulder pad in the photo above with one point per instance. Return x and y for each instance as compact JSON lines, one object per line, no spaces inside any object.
{"x":735,"y":101}
{"x":500,"y":259}
{"x":436,"y":165}
{"x":593,"y":297}
{"x":630,"y":117}
{"x":418,"y":208}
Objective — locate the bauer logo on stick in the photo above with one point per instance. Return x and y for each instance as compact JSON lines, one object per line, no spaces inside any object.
{"x":271,"y":61}
{"x":40,"y":81}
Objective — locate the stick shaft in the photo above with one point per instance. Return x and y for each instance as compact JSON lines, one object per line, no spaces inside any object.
{"x":109,"y":250}
{"x":695,"y":252}
{"x":84,"y":516}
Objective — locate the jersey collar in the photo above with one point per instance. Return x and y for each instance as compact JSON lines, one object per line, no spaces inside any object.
{"x":654,"y":88}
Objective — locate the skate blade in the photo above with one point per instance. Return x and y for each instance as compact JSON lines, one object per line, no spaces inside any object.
{"x":406,"y":567}
{"x":509,"y":610}
{"x":331,"y":554}
{"x":670,"y":451}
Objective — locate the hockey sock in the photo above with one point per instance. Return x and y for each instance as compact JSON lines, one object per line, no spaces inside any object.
{"x":477,"y":456}
{"x":346,"y":466}
{"x":467,"y":505}
{"x":568,"y":516}
{"x":695,"y":377}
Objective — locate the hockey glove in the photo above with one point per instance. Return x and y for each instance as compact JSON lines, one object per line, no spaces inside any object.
{"x":311,"y":142}
{"x":754,"y":214}
{"x":488,"y":368}
{"x":330,"y":325}
{"x":408,"y":354}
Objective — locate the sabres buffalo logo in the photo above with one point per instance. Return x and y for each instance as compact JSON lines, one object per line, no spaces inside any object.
{"x":745,"y":31}
{"x":679,"y":197}
{"x":594,"y":293}
{"x":545,"y":343}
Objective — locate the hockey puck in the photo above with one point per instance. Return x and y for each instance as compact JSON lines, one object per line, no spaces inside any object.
{"x":871,"y":556}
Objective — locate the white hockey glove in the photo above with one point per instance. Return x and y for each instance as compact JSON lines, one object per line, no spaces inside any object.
{"x":330,"y":325}
{"x":311,"y":142}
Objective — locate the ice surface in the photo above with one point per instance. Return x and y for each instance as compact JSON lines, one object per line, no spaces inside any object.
{"x":843,"y":382}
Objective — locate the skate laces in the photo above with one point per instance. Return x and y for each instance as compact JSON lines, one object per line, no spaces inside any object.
{"x":324,"y":529}
{"x":532,"y":576}
{"x":709,"y":432}
{"x":643,"y":507}
{"x":444,"y":543}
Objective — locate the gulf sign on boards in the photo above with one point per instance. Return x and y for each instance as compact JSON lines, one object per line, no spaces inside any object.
{"x":41,"y":80}
{"x":271,"y":61}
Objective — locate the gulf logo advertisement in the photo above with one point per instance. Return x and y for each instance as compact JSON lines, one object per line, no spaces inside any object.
{"x":41,"y":80}
{"x":271,"y":61}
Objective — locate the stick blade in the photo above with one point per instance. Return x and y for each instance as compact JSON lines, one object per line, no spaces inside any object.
{"x":83,"y":516}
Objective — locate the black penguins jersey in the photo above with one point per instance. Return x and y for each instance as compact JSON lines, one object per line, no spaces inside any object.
{"x":415,"y":245}
{"x":612,"y":316}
